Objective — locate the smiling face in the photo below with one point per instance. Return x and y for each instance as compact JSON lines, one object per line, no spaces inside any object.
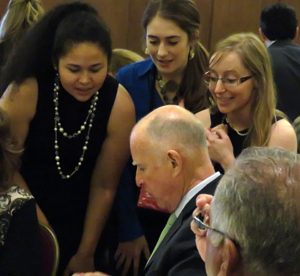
{"x":235,"y":100}
{"x":155,"y":172}
{"x":83,"y":70}
{"x":168,"y":46}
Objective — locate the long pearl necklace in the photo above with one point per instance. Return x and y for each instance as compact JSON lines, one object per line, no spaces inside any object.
{"x":58,"y":128}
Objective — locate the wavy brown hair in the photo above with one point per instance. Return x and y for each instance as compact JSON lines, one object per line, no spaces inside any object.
{"x":184,"y":14}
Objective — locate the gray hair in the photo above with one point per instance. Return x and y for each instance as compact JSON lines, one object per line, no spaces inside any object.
{"x":178,"y":132}
{"x":257,"y":203}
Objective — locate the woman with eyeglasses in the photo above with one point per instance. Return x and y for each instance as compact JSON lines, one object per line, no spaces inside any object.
{"x":244,"y":111}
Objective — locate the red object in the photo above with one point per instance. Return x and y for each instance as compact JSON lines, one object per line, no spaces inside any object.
{"x":50,"y":251}
{"x":148,"y":201}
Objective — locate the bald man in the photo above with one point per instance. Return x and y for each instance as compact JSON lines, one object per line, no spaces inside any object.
{"x":168,"y":147}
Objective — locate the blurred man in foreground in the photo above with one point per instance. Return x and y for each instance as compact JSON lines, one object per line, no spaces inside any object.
{"x":253,"y":225}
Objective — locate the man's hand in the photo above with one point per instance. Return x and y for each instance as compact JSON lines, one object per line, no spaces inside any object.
{"x":80,"y":263}
{"x":129,"y":252}
{"x":203,"y":202}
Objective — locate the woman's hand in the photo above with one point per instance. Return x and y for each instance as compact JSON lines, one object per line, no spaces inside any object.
{"x":79,"y":263}
{"x":219,"y":146}
{"x":129,"y":252}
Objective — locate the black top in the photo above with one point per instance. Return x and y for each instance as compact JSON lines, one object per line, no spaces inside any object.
{"x":20,"y":240}
{"x":64,"y":201}
{"x":237,"y":141}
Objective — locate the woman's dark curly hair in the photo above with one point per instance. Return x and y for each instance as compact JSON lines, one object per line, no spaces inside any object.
{"x":51,"y":38}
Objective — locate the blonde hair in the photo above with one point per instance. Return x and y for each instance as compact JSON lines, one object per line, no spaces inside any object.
{"x":255,"y":58}
{"x":20,"y":16}
{"x":121,"y":58}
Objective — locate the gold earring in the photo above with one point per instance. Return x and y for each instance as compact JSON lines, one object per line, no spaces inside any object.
{"x":192,"y":53}
{"x":147,"y":51}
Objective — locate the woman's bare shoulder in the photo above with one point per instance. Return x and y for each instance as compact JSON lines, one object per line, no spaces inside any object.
{"x":204,"y":117}
{"x":283,"y":135}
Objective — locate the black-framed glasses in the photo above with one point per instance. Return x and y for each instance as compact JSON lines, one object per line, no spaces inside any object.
{"x":230,"y":82}
{"x":199,"y":220}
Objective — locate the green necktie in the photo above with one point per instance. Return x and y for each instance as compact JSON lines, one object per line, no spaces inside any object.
{"x":170,"y":222}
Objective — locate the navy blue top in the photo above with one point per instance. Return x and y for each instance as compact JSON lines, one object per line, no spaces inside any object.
{"x":138,"y":79}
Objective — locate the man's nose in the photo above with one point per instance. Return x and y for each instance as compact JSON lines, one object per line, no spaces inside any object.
{"x":139,"y":180}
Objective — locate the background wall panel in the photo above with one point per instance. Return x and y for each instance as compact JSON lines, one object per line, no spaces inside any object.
{"x":219,"y":18}
{"x":206,"y":13}
{"x":233,"y":16}
{"x":136,"y":37}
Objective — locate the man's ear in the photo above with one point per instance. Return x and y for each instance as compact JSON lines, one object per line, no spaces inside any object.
{"x":176,"y":161}
{"x":231,"y":259}
{"x":296,"y":34}
{"x":262,"y":35}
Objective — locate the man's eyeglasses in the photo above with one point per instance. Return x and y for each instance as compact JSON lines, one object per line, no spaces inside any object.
{"x":230,"y":82}
{"x":199,"y":220}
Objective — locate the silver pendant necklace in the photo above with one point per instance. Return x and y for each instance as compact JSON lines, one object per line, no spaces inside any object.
{"x":59,"y":129}
{"x":238,"y":133}
{"x":168,"y":88}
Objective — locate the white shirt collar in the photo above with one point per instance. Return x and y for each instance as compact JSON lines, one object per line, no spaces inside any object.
{"x":191,"y":193}
{"x":268,"y":43}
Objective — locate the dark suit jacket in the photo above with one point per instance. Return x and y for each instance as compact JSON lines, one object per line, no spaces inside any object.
{"x":177,"y":254}
{"x":285,"y":57}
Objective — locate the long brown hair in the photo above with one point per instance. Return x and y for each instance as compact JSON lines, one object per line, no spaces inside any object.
{"x":184,"y":14}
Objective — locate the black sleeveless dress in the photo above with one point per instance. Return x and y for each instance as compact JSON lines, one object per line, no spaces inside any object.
{"x":64,"y":201}
{"x":237,"y":141}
